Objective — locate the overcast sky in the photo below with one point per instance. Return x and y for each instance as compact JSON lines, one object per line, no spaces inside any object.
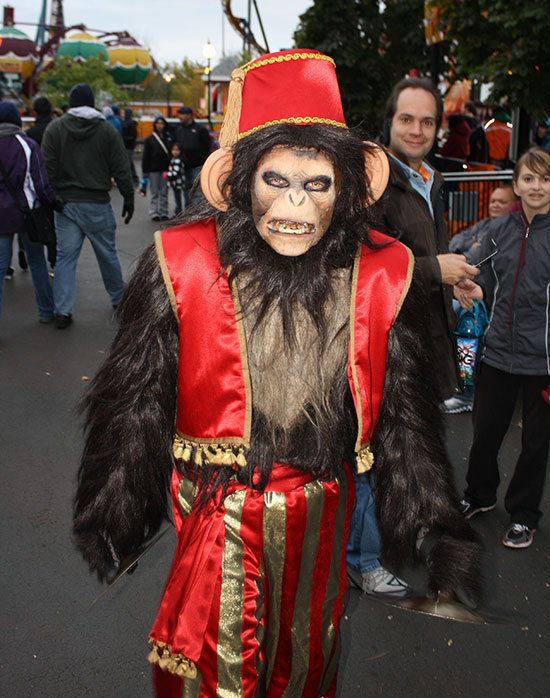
{"x":173,"y":30}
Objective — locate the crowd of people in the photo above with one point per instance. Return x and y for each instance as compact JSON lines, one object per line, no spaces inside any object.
{"x":69,"y":165}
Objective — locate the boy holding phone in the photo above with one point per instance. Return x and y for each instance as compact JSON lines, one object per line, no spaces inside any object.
{"x":515,"y":284}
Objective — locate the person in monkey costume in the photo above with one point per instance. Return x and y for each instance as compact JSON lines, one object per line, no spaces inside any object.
{"x":267,"y":347}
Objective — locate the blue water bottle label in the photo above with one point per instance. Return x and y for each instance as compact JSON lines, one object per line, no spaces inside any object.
{"x":467,"y":350}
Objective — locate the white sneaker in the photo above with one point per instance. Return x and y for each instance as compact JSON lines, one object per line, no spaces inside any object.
{"x":455,"y":405}
{"x":382,"y":581}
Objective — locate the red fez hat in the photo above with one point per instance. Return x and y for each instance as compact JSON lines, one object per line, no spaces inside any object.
{"x":298,"y":86}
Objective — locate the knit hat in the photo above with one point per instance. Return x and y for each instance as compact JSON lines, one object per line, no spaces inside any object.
{"x":185,"y":110}
{"x":9,"y":114}
{"x":81,"y":96}
{"x":297,"y":86}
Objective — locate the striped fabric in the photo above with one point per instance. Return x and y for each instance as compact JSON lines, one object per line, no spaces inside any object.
{"x":275,"y":597}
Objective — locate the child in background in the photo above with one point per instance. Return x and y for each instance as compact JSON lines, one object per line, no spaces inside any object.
{"x":516,"y":356}
{"x":176,"y":176}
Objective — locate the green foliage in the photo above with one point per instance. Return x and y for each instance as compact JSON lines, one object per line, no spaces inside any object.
{"x":373,"y":44}
{"x":503,"y":43}
{"x":56,"y":81}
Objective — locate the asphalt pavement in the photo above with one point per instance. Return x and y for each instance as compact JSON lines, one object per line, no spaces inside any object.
{"x":54,"y":645}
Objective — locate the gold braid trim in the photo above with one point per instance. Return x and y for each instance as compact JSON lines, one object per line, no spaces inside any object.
{"x":295,"y":120}
{"x":177,"y":664}
{"x":211,"y":453}
{"x":287,"y":57}
{"x":365,"y":459}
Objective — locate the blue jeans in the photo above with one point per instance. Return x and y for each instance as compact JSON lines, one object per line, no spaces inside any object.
{"x":364,"y":543}
{"x":96,"y":222}
{"x":191,"y":174}
{"x":178,"y":200}
{"x":158,"y":189}
{"x":39,"y":271}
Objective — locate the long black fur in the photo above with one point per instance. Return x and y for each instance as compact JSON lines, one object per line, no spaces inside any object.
{"x":414,"y":487}
{"x":130,"y":408}
{"x":130,"y":411}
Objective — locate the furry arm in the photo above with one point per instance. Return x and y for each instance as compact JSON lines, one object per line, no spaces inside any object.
{"x":414,"y":477}
{"x":130,"y":408}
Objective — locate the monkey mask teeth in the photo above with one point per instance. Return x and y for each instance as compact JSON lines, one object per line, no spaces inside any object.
{"x":279,"y":225}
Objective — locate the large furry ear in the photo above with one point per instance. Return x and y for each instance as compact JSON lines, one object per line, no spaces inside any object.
{"x":213,"y":174}
{"x":377,"y":169}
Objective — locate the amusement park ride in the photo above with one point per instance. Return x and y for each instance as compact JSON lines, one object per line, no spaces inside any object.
{"x":22,"y":59}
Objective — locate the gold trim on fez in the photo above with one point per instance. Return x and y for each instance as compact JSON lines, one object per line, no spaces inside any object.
{"x":299,"y":120}
{"x":287,"y":57}
{"x":229,"y":643}
{"x":165,"y":273}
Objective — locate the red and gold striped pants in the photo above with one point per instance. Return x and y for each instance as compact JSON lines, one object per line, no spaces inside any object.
{"x":253,"y":602}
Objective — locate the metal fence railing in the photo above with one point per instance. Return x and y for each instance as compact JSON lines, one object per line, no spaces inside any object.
{"x":467,"y":196}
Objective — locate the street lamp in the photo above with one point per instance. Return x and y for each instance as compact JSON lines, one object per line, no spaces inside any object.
{"x":168,"y":77}
{"x":209,"y":51}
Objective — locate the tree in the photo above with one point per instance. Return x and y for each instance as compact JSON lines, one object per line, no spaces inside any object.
{"x":374,"y":44}
{"x":187,"y":85}
{"x":502,"y":43}
{"x":56,"y":81}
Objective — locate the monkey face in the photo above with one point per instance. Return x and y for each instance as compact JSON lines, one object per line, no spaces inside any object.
{"x":293,"y":196}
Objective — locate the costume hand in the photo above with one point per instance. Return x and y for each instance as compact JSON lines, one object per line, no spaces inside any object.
{"x":466,"y":292}
{"x":455,"y":268}
{"x":453,"y":566}
{"x":97,"y":552}
{"x":128,"y":211}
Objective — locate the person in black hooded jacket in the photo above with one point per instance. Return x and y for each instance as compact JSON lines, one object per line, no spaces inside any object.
{"x":129,"y":136}
{"x":154,"y":165}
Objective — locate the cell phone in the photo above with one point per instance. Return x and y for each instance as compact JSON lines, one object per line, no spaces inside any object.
{"x":482,"y":262}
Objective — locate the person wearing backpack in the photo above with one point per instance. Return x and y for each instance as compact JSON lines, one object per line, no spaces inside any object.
{"x":23,"y":181}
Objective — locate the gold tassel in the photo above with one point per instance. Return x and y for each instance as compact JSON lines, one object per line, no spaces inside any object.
{"x":241,"y":460}
{"x":177,"y":447}
{"x":165,"y":660}
{"x":198,"y":455}
{"x":228,"y":457}
{"x":153,"y":657}
{"x":174,"y":663}
{"x":229,"y":133}
{"x":365,"y":459}
{"x":186,"y":452}
{"x":217,"y":458}
{"x":186,"y":669}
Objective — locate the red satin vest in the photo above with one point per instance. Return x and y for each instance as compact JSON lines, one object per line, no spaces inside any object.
{"x":214,"y":408}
